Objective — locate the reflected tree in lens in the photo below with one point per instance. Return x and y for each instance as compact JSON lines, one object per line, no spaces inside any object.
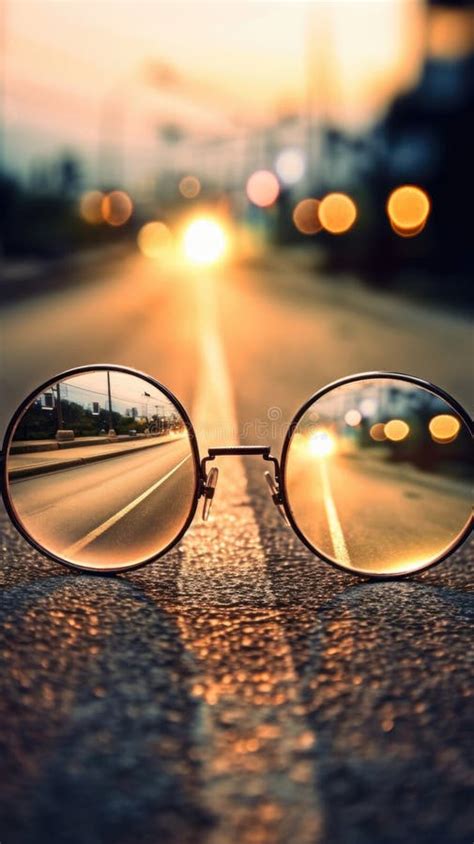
{"x":378,"y":476}
{"x":101,"y":469}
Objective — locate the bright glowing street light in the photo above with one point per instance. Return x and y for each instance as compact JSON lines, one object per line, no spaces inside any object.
{"x":204,"y":242}
{"x":322,"y":444}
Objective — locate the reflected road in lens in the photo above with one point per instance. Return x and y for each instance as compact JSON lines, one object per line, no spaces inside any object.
{"x":101,"y":469}
{"x":380,"y":505}
{"x":112,"y":512}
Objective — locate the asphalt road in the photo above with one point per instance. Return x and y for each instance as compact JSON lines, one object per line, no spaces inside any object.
{"x":238,"y":689}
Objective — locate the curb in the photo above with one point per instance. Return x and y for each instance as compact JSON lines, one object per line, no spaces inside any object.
{"x":45,"y":469}
{"x":34,"y":447}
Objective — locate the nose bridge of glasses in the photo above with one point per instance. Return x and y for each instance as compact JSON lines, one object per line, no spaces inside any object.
{"x":239,"y":450}
{"x":209,"y":480}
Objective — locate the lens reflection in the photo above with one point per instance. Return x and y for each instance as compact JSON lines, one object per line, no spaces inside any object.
{"x":101,"y":470}
{"x":378,"y":476}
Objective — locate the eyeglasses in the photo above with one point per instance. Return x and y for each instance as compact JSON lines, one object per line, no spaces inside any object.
{"x":102,"y":472}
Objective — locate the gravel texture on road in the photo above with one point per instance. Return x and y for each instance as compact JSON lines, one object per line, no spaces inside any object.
{"x":103,"y":702}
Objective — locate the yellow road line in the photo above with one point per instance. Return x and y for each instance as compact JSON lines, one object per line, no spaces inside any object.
{"x":78,"y":546}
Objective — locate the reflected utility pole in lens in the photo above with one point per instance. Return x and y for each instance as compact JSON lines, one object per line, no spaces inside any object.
{"x":61,"y":433}
{"x":59,"y":410}
{"x":146,"y":396}
{"x":111,"y":423}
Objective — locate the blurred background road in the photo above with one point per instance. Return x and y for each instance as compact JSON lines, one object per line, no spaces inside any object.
{"x":239,"y":689}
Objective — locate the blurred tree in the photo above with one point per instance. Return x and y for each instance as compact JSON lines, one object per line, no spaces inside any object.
{"x":69,"y":172}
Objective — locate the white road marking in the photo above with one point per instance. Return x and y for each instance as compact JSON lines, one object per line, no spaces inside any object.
{"x":78,"y":546}
{"x":252,"y":737}
{"x":341,"y":553}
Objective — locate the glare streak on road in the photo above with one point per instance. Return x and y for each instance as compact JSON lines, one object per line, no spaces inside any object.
{"x":253,"y":740}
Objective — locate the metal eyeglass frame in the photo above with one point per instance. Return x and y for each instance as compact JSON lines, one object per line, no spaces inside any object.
{"x":205,"y":481}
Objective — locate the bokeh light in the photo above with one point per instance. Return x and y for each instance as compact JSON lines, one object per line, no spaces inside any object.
{"x":306,"y":216}
{"x":154,"y":239}
{"x":116,"y":208}
{"x":353,"y":418}
{"x":337,"y":213}
{"x":408,"y":208}
{"x":321,"y":444}
{"x":396,"y":430}
{"x":205,"y":241}
{"x":189,"y":187}
{"x":377,"y":432}
{"x":290,"y":165}
{"x":444,"y":428}
{"x":263,"y":188}
{"x":90,"y":206}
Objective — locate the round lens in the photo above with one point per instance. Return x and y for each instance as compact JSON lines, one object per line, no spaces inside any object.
{"x":101,"y":469}
{"x":377,"y":476}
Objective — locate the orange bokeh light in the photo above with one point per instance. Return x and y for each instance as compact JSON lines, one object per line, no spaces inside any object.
{"x":90,"y":206}
{"x":377,"y":432}
{"x":444,"y":428}
{"x":450,"y":32}
{"x":337,"y":213}
{"x":189,"y":187}
{"x":263,"y":188}
{"x":116,"y":208}
{"x":408,"y":208}
{"x":396,"y":430}
{"x":306,"y":216}
{"x":154,"y":239}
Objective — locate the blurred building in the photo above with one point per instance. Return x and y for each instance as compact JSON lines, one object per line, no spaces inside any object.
{"x":426,"y":138}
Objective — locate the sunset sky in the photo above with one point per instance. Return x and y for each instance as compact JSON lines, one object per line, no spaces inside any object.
{"x":218,"y":67}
